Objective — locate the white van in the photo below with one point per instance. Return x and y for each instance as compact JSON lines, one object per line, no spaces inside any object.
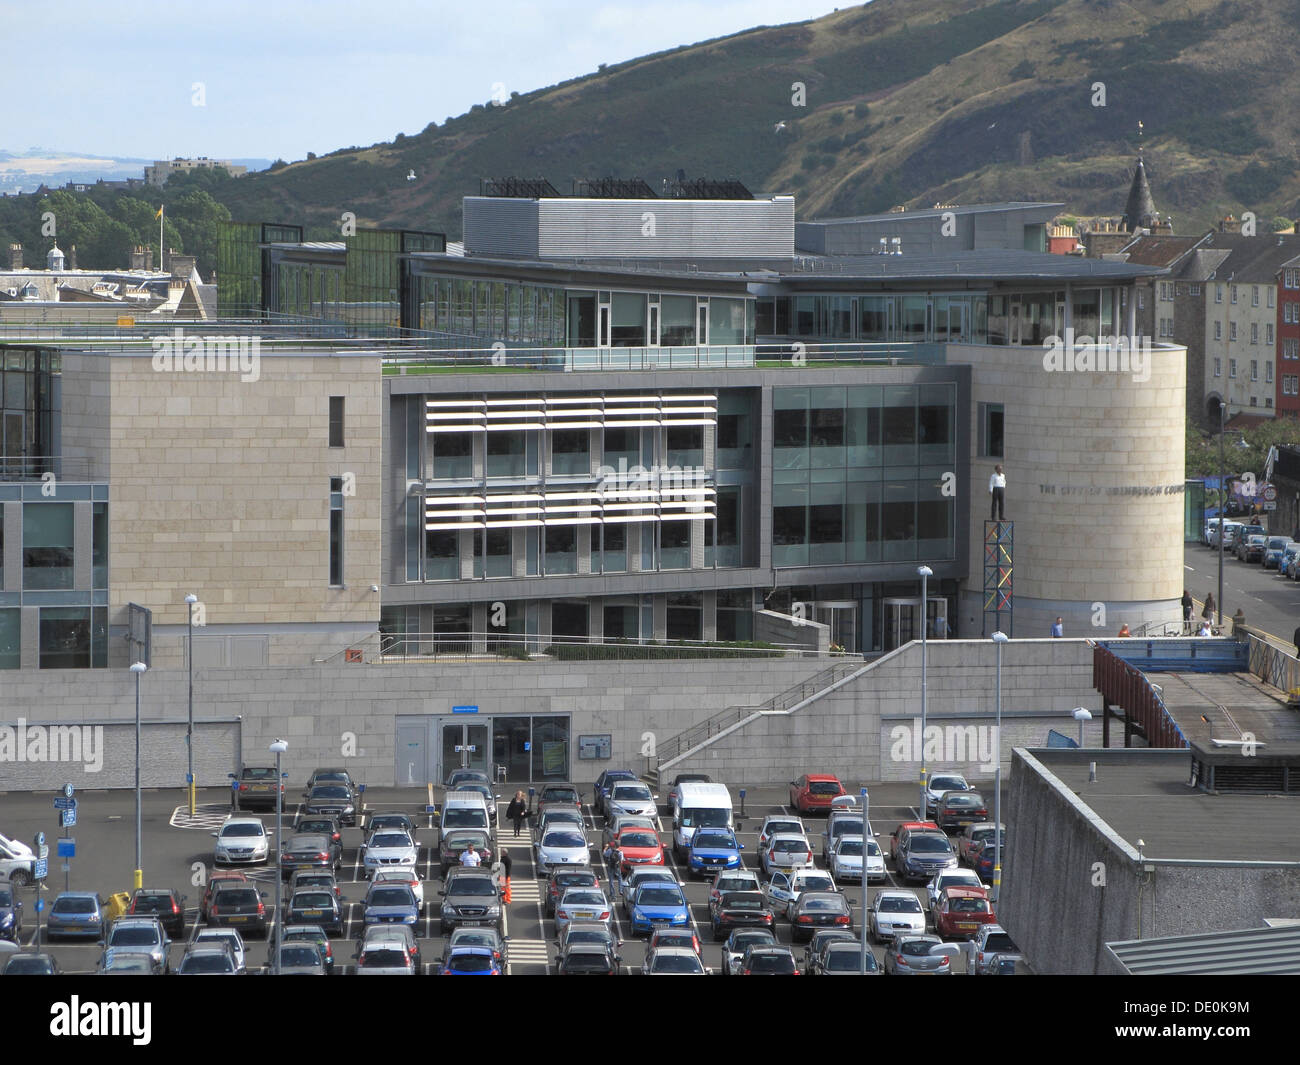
{"x":695,"y":805}
{"x":463,"y":809}
{"x":17,"y":861}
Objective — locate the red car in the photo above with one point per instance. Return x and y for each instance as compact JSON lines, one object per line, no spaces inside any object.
{"x":961,"y":911}
{"x":814,"y":791}
{"x":638,"y":846}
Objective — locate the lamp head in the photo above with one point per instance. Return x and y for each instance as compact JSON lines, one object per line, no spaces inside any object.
{"x":924,"y":571}
{"x":278,"y":747}
{"x":138,"y":667}
{"x":1000,"y":637}
{"x":191,"y":599}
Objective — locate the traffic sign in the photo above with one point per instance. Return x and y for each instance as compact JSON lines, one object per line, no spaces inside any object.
{"x":1270,"y":493}
{"x":42,"y":869}
{"x":67,"y":848}
{"x":65,"y":804}
{"x":68,"y":789}
{"x":69,"y":817}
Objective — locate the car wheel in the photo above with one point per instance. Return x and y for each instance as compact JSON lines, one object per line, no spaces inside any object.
{"x":20,"y":877}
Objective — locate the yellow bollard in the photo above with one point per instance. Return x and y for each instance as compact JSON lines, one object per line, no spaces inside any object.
{"x":192,"y":806}
{"x":139,"y":879}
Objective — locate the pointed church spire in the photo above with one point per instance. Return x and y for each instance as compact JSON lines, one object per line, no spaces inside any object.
{"x":1140,"y":210}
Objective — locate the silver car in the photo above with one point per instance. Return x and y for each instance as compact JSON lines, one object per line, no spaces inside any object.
{"x":240,"y":841}
{"x":389,"y":848}
{"x":631,"y":797}
{"x":562,"y":845}
{"x":894,"y":913}
{"x":582,"y":904}
{"x":141,"y":935}
{"x":300,"y":959}
{"x":779,"y":824}
{"x":673,"y":961}
{"x":229,"y":936}
{"x":209,"y":959}
{"x":912,"y":955}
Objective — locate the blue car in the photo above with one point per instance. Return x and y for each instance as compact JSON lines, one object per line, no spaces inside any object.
{"x":471,"y":961}
{"x":712,"y":850}
{"x":76,"y":913}
{"x":1274,"y":549}
{"x":390,"y":903}
{"x":658,"y":905}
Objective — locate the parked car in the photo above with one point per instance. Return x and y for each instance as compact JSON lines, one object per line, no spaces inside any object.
{"x":215,"y":879}
{"x":674,"y":937}
{"x":923,"y":855}
{"x":228,"y":936}
{"x":482,"y":936}
{"x":167,"y":904}
{"x":1250,"y":546}
{"x":960,"y":912}
{"x":645,"y":874}
{"x":1287,"y":565}
{"x":388,"y":903}
{"x":639,"y":846}
{"x":819,"y":940}
{"x":842,"y":823}
{"x":740,"y":909}
{"x":470,"y":961}
{"x":986,"y":860}
{"x":306,"y":852}
{"x":401,"y":874}
{"x":975,"y":833}
{"x":142,"y":934}
{"x":605,"y":784}
{"x":558,"y":795}
{"x":316,"y":906}
{"x":466,"y":776}
{"x":392,"y":936}
{"x":712,"y":850}
{"x":469,"y":896}
{"x":631,"y":797}
{"x":238,"y":905}
{"x":389,"y":847}
{"x":117,"y":961}
{"x":786,"y":852}
{"x":334,"y":775}
{"x":1274,"y":549}
{"x":938,"y":785}
{"x":993,"y":942}
{"x":209,"y":959}
{"x":241,"y":841}
{"x":784,"y":888}
{"x":299,"y":959}
{"x":314,"y":878}
{"x":959,"y":809}
{"x":16,"y":861}
{"x":762,"y":959}
{"x":589,"y":932}
{"x":732,"y":880}
{"x":847,"y":860}
{"x":454,"y":843}
{"x":913,"y":955}
{"x":655,"y":906}
{"x":385,"y":957}
{"x":740,"y":940}
{"x":562,"y":846}
{"x":254,"y":788}
{"x":779,"y":825}
{"x":561,"y":879}
{"x":900,"y":835}
{"x":893,"y":913}
{"x":311,"y":933}
{"x":813,"y":792}
{"x":950,"y":878}
{"x":843,"y":959}
{"x":322,"y":825}
{"x":27,"y":963}
{"x":583,"y":904}
{"x":819,"y":909}
{"x":390,"y":822}
{"x":588,"y":959}
{"x":11,"y":912}
{"x":673,"y":961}
{"x":75,"y":913}
{"x":337,"y":800}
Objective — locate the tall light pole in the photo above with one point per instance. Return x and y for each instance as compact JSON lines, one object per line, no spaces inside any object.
{"x":138,"y":668}
{"x":190,"y":600}
{"x":278,"y":748}
{"x":998,"y":638}
{"x":925,"y":573}
{"x":1223,"y":498}
{"x":866,"y":836}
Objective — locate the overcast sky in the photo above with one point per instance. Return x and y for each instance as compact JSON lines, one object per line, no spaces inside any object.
{"x":279,"y":78}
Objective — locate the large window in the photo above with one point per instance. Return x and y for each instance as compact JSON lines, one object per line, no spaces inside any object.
{"x":622,"y":449}
{"x":561,"y":549}
{"x":570,"y":451}
{"x":441,"y":555}
{"x":726,"y":529}
{"x":736,"y":615}
{"x":453,"y":455}
{"x":336,"y":421}
{"x":47,"y":545}
{"x":614,"y":547}
{"x":685,"y":445}
{"x":628,"y":326}
{"x":675,"y":544}
{"x":73,"y":637}
{"x":10,"y":638}
{"x":686,"y":616}
{"x":990,"y":430}
{"x":498,"y":560}
{"x":506,"y":453}
{"x":336,"y":532}
{"x":726,"y":321}
{"x":99,"y":545}
{"x":677,"y":321}
{"x":734,"y":440}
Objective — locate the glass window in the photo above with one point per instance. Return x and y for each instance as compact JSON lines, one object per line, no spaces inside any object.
{"x":10,"y":638}
{"x":570,"y":451}
{"x":47,"y":545}
{"x":685,"y":445}
{"x":498,"y":546}
{"x":336,"y":532}
{"x":790,"y":525}
{"x":628,"y":325}
{"x":674,"y":544}
{"x":550,"y":748}
{"x":622,"y":449}
{"x":990,"y":430}
{"x":336,"y":421}
{"x":934,"y":423}
{"x":441,"y":555}
{"x":826,"y":425}
{"x":686,"y":616}
{"x":453,"y":455}
{"x":790,"y":428}
{"x":826,"y":524}
{"x":65,"y":638}
{"x":898,"y":426}
{"x":677,"y":321}
{"x":734,"y":443}
{"x":735,"y":620}
{"x":726,"y":528}
{"x":561,"y":549}
{"x":898,"y":522}
{"x":505,"y":453}
{"x":862,"y":523}
{"x":99,"y":545}
{"x":582,"y":321}
{"x":615,"y":548}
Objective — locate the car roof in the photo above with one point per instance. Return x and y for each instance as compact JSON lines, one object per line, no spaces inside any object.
{"x":798,"y":836}
{"x":822,"y":777}
{"x":886,"y":893}
{"x":130,"y":920}
{"x":969,"y":892}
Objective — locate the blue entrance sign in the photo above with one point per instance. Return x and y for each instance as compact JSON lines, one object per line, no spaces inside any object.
{"x":464,"y":709}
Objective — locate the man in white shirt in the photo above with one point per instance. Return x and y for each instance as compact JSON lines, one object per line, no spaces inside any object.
{"x":998,"y":490}
{"x":469,"y":856}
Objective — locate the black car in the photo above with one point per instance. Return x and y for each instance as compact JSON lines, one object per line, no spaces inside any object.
{"x":11,"y":913}
{"x":740,"y":909}
{"x":588,"y":959}
{"x":311,"y":933}
{"x":306,"y":852}
{"x":316,"y":906}
{"x":330,"y":776}
{"x":254,"y":788}
{"x":322,"y":825}
{"x":166,"y":904}
{"x":819,"y":909}
{"x":237,"y":905}
{"x":337,"y":800}
{"x":31,"y":965}
{"x":401,"y":822}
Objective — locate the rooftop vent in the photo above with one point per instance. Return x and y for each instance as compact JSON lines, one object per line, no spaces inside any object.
{"x":612,"y":188}
{"x":518,"y":188}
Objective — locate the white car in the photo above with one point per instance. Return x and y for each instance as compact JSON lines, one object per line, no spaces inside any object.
{"x":389,"y":847}
{"x":402,"y":874}
{"x":895,"y":912}
{"x":784,"y":889}
{"x":950,"y":878}
{"x":241,"y":841}
{"x":786,"y":851}
{"x":937,"y":785}
{"x":17,"y":860}
{"x":779,"y":825}
{"x":631,"y":797}
{"x":562,"y":845}
{"x":229,"y":936}
{"x":847,"y":860}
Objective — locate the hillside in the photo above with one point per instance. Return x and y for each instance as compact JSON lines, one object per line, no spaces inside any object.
{"x":907,"y":101}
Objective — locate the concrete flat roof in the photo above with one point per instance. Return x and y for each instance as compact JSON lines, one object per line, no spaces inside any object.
{"x":1144,"y":794}
{"x":1226,"y":706}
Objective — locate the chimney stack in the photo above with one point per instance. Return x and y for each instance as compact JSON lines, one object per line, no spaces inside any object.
{"x":181,"y":265}
{"x":15,"y":256}
{"x":72,"y":257}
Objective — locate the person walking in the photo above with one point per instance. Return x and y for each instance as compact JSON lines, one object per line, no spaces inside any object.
{"x":1188,"y":606}
{"x":517,"y":811}
{"x":1207,"y":611}
{"x":1295,"y":639}
{"x":507,"y":862}
{"x":1058,"y":629}
{"x":998,"y":490}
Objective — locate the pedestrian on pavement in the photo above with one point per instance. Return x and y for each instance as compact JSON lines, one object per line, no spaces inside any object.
{"x":506,"y":861}
{"x":517,"y":811}
{"x":1208,"y":611}
{"x":1205,"y":628}
{"x":998,"y":490}
{"x":1188,"y":606}
{"x":470,"y":857}
{"x":1058,"y":629}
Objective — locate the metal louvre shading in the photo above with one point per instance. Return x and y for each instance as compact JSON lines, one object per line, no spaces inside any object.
{"x":570,"y":412}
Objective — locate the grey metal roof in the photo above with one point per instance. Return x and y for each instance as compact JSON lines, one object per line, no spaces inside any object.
{"x":935,"y":212}
{"x":1270,"y":951}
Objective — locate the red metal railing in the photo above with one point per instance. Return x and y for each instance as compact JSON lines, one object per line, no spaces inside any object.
{"x":1127,"y":687}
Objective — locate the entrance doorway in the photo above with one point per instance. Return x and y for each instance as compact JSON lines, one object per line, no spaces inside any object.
{"x":515,"y":749}
{"x":464,"y":745}
{"x":903,"y":620}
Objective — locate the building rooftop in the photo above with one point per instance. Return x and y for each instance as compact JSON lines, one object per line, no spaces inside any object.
{"x":937,"y":212}
{"x":1224,"y":706}
{"x":1271,"y":951}
{"x":1146,"y":794}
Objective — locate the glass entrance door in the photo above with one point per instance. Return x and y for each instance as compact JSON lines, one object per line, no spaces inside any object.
{"x":465,"y":745}
{"x":511,"y":754}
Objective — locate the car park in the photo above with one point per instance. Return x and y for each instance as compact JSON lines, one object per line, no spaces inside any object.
{"x":392,"y":936}
{"x":333,"y":800}
{"x":843,"y":959}
{"x":401,"y":875}
{"x":605,"y":784}
{"x":238,"y":905}
{"x":587,"y":959}
{"x":387,"y":903}
{"x":306,"y":852}
{"x":894,"y":913}
{"x":562,"y":878}
{"x":656,"y":906}
{"x":814,"y":792}
{"x":785,"y":887}
{"x":739,"y":941}
{"x":315,"y":906}
{"x":900,"y":835}
{"x":740,"y":909}
{"x":309,"y":933}
{"x":941,"y":882}
{"x":469,"y":896}
{"x":976,"y":833}
{"x":582,"y":904}
{"x":241,"y":841}
{"x":913,"y":955}
{"x":785,"y":852}
{"x":631,"y":797}
{"x":1274,"y":550}
{"x":454,"y":843}
{"x":938,"y":785}
{"x":779,"y":825}
{"x":11,"y":912}
{"x":564,"y":845}
{"x":142,"y":934}
{"x":75,"y":913}
{"x":992,"y":941}
{"x":117,"y":961}
{"x":386,"y":848}
{"x":818,"y":909}
{"x":254,"y":788}
{"x":960,"y":912}
{"x":209,"y":959}
{"x":673,"y":961}
{"x":712,"y":850}
{"x":767,"y":960}
{"x":923,"y":855}
{"x":299,"y":959}
{"x":957,"y":810}
{"x":228,"y":936}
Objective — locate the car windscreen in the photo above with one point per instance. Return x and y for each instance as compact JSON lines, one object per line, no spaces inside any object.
{"x":900,"y":905}
{"x":811,"y":904}
{"x":471,"y":963}
{"x":929,"y":845}
{"x":243,"y":830}
{"x":236,"y":897}
{"x":705,"y":817}
{"x":384,"y":959}
{"x":74,"y":905}
{"x":848,"y":960}
{"x":470,"y":885}
{"x":391,"y":896}
{"x":653,"y":895}
{"x":916,"y":948}
{"x":851,"y":847}
{"x":330,"y":791}
{"x":964,"y":801}
{"x":789,"y":846}
{"x":969,"y":906}
{"x":208,"y":963}
{"x":772,"y":963}
{"x":582,"y":897}
{"x":1277,"y":543}
{"x":294,"y":954}
{"x":457,"y":841}
{"x":1000,"y":943}
{"x":677,"y":963}
{"x":746,"y":900}
{"x":713,"y":839}
{"x":587,"y":962}
{"x":565,"y":880}
{"x":312,"y":900}
{"x":391,"y":839}
{"x":563,"y":839}
{"x":464,"y":817}
{"x":743,"y":940}
{"x":552,"y":795}
{"x":942,"y":784}
{"x":814,"y":883}
{"x":775,"y":828}
{"x":133,"y":937}
{"x":632,"y":792}
{"x":641,"y":839}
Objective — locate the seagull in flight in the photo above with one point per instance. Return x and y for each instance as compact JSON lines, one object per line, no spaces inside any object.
{"x":778,"y":127}
{"x":410,"y":175}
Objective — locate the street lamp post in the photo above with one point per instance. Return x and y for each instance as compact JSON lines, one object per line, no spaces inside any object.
{"x":998,"y":638}
{"x":138,"y":668}
{"x":866,"y":836}
{"x":1223,"y":498}
{"x":190,"y":600}
{"x":1081,"y":714}
{"x":278,"y":748}
{"x":925,"y":573}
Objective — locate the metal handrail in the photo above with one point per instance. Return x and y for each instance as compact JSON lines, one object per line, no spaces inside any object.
{"x":466,"y":646}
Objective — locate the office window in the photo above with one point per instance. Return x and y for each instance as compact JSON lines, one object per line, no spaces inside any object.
{"x":442,"y":555}
{"x":99,"y":545}
{"x":1218,"y":367}
{"x":1291,"y":347}
{"x":506,"y":453}
{"x":685,"y":616}
{"x":336,"y":532}
{"x":570,"y":451}
{"x":47,"y":546}
{"x":336,"y":421}
{"x":1232,"y":367}
{"x":735,"y":615}
{"x":990,"y":430}
{"x":1254,"y":332}
{"x":1218,"y":330}
{"x":453,"y":454}
{"x":1254,"y":402}
{"x":10,"y":638}
{"x":561,"y":546}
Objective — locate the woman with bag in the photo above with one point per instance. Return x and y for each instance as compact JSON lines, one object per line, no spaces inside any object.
{"x":1208,"y":612}
{"x":517,"y":811}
